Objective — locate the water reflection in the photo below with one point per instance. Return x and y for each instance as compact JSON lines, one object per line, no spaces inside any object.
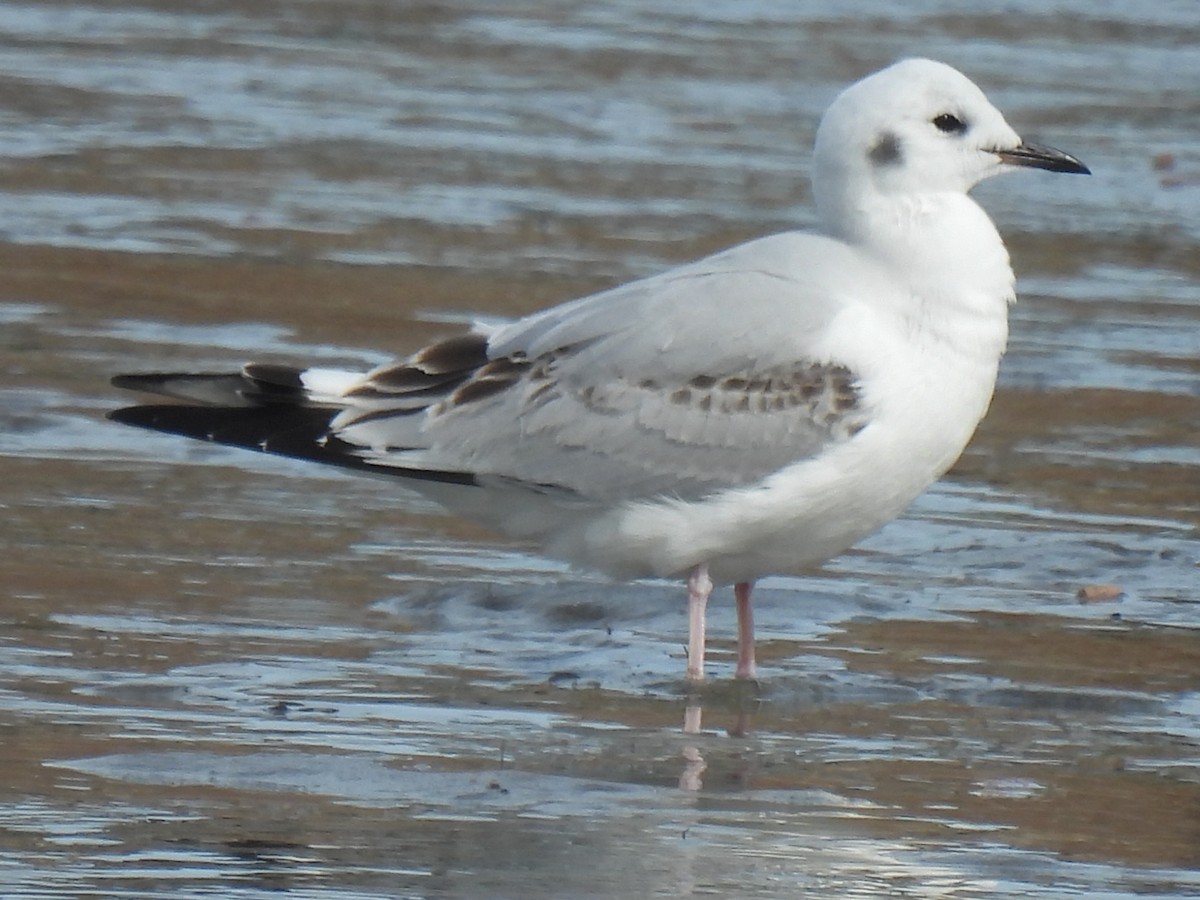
{"x":693,"y":763}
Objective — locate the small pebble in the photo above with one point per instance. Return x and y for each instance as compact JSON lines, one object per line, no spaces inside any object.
{"x":1098,"y":593}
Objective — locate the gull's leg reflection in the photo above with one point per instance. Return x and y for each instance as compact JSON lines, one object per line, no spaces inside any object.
{"x":693,"y":713}
{"x":693,"y":763}
{"x":693,"y":767}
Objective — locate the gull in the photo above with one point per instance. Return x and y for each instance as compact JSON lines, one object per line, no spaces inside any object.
{"x":749,"y":414}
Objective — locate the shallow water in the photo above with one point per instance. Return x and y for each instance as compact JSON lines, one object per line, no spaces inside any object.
{"x":224,"y":674}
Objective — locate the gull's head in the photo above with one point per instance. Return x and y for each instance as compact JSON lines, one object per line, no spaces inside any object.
{"x":918,"y":127}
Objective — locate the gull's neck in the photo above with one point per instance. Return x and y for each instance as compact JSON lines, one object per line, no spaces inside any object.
{"x":945,"y":250}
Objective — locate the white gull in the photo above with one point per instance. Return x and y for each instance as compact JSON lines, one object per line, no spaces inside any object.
{"x":749,"y":414}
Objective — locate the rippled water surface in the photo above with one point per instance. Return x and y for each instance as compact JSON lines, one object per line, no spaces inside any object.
{"x":236,"y":676}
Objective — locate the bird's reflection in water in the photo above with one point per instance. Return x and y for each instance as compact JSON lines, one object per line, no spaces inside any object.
{"x":693,"y":763}
{"x":693,"y":768}
{"x":690,"y":779}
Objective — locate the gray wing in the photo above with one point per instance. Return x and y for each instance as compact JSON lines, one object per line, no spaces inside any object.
{"x":712,"y":376}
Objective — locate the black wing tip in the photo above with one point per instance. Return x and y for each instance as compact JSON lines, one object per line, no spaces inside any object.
{"x":137,"y":382}
{"x":293,"y":432}
{"x":140,"y":416}
{"x":257,"y":384}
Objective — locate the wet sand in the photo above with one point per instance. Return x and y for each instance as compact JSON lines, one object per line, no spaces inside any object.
{"x":228,"y":670}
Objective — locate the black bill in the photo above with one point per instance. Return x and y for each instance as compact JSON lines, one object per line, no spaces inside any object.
{"x":1038,"y":157}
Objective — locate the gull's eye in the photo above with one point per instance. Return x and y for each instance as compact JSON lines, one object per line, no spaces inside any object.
{"x":948,"y":123}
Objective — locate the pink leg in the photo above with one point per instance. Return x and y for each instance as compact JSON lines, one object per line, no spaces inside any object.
{"x":699,"y":588}
{"x":745,"y":621}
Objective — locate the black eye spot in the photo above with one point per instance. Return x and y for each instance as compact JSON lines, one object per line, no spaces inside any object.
{"x":948,"y":123}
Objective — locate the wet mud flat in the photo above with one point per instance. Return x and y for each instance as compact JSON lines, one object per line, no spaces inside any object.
{"x":225,"y":672}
